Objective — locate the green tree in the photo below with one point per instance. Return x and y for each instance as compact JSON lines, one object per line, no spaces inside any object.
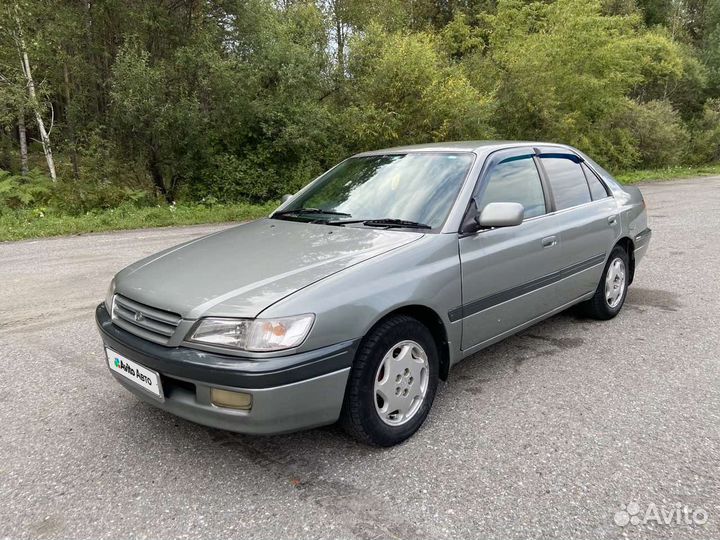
{"x":249,"y":99}
{"x":408,"y":91}
{"x":563,"y":71}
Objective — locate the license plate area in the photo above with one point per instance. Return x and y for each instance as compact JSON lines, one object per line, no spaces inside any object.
{"x":140,"y":376}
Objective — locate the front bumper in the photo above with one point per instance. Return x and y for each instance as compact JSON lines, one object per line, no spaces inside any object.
{"x":289,"y":393}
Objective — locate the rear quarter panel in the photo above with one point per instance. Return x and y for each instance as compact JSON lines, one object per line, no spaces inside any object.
{"x":633,"y":211}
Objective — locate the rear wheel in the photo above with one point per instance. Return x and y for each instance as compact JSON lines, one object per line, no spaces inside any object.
{"x":612,"y":289}
{"x":392,"y":383}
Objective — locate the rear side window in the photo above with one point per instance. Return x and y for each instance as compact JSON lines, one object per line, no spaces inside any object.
{"x":516,"y":180}
{"x":567,"y":180}
{"x":597,"y":189}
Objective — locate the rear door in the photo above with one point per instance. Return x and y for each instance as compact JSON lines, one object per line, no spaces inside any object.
{"x":508,"y":273}
{"x":589,"y":219}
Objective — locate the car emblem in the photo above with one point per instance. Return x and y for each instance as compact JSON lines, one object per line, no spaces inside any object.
{"x":139,"y":317}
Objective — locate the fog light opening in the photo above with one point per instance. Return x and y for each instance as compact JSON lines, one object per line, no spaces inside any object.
{"x":230,"y":400}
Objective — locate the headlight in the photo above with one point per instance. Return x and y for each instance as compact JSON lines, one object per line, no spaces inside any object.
{"x":109,"y":296}
{"x":254,"y":335}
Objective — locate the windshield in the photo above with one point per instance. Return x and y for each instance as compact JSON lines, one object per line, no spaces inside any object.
{"x":419,"y":187}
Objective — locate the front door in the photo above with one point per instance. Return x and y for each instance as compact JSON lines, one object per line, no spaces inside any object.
{"x":508,"y":274}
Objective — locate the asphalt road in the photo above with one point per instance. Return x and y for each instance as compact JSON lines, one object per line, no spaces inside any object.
{"x":544,"y":435}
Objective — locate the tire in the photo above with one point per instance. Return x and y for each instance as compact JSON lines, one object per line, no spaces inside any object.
{"x":608,"y":303}
{"x":397,"y":358}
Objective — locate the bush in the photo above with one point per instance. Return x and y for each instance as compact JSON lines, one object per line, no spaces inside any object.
{"x":232,"y":178}
{"x":17,"y":191}
{"x":78,"y":197}
{"x":706,"y":134}
{"x":36,"y":192}
{"x":656,"y":132}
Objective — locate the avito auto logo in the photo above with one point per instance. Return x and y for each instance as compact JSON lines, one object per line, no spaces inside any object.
{"x":119,"y":364}
{"x":126,"y":368}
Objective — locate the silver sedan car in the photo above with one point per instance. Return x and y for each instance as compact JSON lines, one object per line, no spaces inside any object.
{"x":355,"y":297}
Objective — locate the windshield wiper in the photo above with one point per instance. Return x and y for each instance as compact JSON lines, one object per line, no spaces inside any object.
{"x":310,"y":211}
{"x":400,"y":223}
{"x":385,"y":222}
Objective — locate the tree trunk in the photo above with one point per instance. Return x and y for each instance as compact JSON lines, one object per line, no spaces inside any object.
{"x":70,"y":125}
{"x":174,"y":186}
{"x":98,"y":93}
{"x":157,"y":175}
{"x":340,"y":46}
{"x":22,"y":135}
{"x":44,"y":135}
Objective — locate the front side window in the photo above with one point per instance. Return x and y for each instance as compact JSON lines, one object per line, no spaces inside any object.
{"x":567,"y":181}
{"x":517,"y":180}
{"x":417,"y":186}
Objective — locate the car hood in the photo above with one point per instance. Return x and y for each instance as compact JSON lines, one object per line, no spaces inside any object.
{"x":239,"y":272}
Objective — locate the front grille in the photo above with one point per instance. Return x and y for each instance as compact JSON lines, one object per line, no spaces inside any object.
{"x":147,"y":322}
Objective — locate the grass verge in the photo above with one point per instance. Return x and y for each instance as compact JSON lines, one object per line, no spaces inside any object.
{"x":23,"y":224}
{"x":669,"y":173}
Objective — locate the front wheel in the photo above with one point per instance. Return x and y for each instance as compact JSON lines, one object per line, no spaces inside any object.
{"x":392,"y":383}
{"x":612,"y":289}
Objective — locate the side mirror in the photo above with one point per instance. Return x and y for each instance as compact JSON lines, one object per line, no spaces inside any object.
{"x":286,"y":198}
{"x":500,"y":214}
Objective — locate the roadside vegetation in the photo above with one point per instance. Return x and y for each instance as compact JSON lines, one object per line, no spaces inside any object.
{"x":122,"y":114}
{"x":668,"y":173}
{"x":44,"y":222}
{"x":25,"y":224}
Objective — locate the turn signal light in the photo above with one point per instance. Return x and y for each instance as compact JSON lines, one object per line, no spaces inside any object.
{"x":230,"y":400}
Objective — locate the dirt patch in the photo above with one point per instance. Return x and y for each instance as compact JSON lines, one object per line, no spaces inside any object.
{"x":655,"y":298}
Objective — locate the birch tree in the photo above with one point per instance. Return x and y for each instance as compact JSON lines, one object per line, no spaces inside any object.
{"x":32,"y":94}
{"x":22,"y":136}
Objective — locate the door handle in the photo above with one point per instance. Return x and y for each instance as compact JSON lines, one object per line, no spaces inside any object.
{"x":612,"y":220}
{"x":549,"y":241}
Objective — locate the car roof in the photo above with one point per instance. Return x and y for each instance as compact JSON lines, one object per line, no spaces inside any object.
{"x":458,"y":146}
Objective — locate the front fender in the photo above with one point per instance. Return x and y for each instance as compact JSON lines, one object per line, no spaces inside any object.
{"x":349,"y":303}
